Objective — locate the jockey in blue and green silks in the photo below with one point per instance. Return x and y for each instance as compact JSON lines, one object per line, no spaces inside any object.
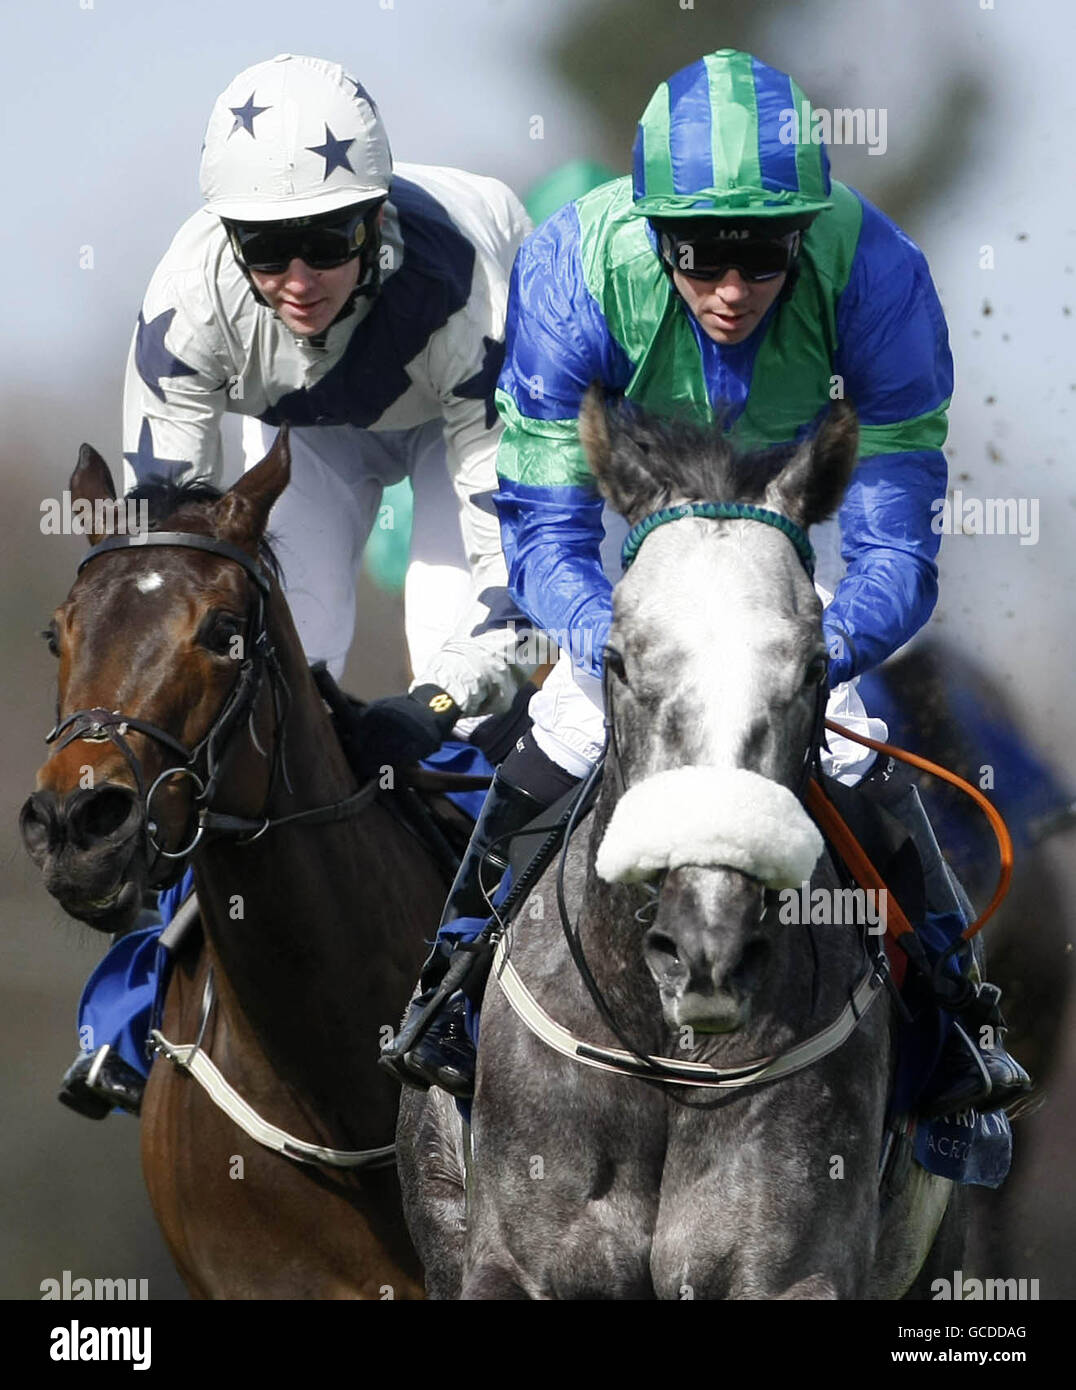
{"x":727,"y":279}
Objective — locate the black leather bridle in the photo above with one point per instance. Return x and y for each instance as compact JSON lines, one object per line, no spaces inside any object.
{"x":204,"y":764}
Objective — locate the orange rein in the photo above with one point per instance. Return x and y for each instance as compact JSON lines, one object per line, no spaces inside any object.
{"x":855,"y":857}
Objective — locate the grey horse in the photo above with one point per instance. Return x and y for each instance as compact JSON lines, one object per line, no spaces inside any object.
{"x":585,"y":1183}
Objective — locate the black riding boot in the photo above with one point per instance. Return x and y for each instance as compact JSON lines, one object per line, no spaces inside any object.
{"x":438,"y":1051}
{"x":974,"y":1068}
{"x":98,"y":1082}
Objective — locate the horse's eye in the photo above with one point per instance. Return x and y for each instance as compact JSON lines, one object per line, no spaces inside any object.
{"x":52,"y":638}
{"x":614,"y":663}
{"x":816,"y":670}
{"x":219,"y":631}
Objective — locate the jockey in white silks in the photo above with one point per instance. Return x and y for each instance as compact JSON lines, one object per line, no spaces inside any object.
{"x":730,"y":279}
{"x":362,"y":304}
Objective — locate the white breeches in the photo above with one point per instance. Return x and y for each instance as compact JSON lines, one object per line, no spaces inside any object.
{"x":323,"y":518}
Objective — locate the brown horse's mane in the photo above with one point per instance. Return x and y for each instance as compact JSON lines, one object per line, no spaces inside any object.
{"x":172,"y":500}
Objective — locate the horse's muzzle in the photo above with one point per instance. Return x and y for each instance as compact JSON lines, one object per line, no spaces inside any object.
{"x":706,"y":951}
{"x":90,"y":848}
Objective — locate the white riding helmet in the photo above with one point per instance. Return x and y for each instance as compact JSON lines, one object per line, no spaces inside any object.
{"x":293,"y":137}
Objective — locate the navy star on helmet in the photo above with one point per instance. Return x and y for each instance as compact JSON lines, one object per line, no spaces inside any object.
{"x":313,"y":143}
{"x":334,"y":153}
{"x":244,"y":115}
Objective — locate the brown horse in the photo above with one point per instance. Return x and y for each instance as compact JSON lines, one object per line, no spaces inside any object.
{"x":314,"y":898}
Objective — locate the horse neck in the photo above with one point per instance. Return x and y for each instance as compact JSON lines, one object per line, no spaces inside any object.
{"x":314,"y":929}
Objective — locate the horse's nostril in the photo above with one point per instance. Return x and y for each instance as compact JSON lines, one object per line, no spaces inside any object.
{"x":102,"y":814}
{"x":661,"y":944}
{"x":37,"y":822}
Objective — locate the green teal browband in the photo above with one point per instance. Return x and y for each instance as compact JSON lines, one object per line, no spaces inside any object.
{"x":719,"y":511}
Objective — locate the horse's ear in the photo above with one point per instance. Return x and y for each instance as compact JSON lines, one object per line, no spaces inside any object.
{"x":92,"y":482}
{"x":810,"y":486}
{"x":616,"y":461}
{"x":242,"y":513}
{"x":594,"y":431}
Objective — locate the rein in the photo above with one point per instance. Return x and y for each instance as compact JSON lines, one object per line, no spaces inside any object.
{"x":993,"y":815}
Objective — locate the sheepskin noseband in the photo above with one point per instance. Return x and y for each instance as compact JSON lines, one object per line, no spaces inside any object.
{"x":713,"y":817}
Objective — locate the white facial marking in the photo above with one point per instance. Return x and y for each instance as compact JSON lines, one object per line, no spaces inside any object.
{"x":707,"y":600}
{"x":146,"y":583}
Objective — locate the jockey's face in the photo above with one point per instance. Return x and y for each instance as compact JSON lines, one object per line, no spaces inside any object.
{"x":308,"y":300}
{"x":730,"y":309}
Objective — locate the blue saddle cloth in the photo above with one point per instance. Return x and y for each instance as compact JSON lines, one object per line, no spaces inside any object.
{"x":123,"y":998}
{"x":1026,"y":789}
{"x":967,"y":1148}
{"x":467,"y":760}
{"x":120,"y":997}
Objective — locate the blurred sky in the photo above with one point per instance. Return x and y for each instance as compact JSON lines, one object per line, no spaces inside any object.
{"x":104,"y":110}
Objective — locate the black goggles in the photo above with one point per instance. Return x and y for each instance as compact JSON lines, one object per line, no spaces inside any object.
{"x":320,"y":244}
{"x":702,"y":257}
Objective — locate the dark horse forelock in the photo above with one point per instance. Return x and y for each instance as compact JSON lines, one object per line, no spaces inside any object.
{"x":187,"y":505}
{"x":682,"y":460}
{"x":643,"y":463}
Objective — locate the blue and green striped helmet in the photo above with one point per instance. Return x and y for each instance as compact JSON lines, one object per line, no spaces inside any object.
{"x":728,"y":136}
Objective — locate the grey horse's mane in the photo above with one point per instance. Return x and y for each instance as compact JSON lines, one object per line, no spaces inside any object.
{"x":644,"y":462}
{"x":685,"y":459}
